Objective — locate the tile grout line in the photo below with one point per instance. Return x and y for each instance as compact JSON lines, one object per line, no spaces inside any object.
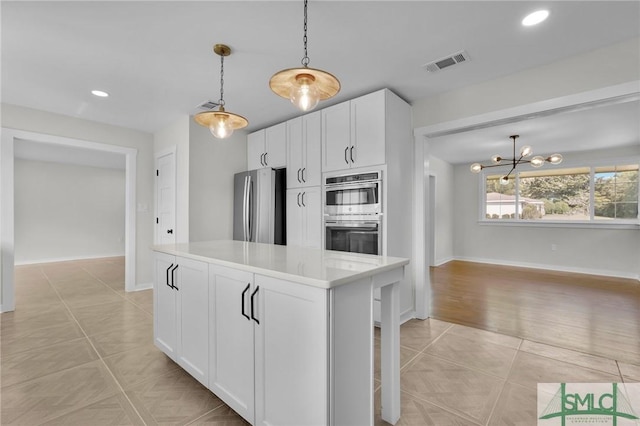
{"x":504,"y":383}
{"x":435,"y":404}
{"x":86,"y":336}
{"x":123,"y":296}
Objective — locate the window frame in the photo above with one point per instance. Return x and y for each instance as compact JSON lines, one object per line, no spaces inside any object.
{"x":591,"y":223}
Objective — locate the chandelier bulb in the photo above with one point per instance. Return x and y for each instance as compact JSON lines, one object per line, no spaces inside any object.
{"x":476,"y":167}
{"x":526,"y":151}
{"x":555,"y":159}
{"x":537,"y":161}
{"x":504,"y":180}
{"x":496,"y":159}
{"x":304,"y":93}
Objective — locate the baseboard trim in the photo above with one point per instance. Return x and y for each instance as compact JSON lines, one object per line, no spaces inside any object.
{"x":67,"y":259}
{"x":576,"y":270}
{"x":443,"y":261}
{"x":145,"y":286}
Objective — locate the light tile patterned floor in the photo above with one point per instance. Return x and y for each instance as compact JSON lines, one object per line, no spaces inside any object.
{"x":79,"y":351}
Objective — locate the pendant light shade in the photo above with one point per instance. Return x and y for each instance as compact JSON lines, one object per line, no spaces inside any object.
{"x":221,"y":123}
{"x":304,"y":86}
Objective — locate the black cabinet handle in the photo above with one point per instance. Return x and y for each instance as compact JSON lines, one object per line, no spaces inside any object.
{"x":345,"y":155}
{"x":243,"y":293}
{"x":351,"y":154}
{"x":170,"y":266}
{"x":303,"y":204}
{"x":266,"y":162}
{"x":298,"y":199}
{"x":303,"y":169}
{"x":172,"y":279}
{"x":252,"y":304}
{"x":299,"y":176}
{"x":262,"y":159}
{"x":169,"y":231}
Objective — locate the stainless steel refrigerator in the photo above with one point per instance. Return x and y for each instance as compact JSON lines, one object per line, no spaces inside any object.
{"x":259,"y":206}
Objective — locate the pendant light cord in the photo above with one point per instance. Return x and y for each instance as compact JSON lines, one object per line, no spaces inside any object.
{"x":221,"y":101}
{"x":305,"y":60}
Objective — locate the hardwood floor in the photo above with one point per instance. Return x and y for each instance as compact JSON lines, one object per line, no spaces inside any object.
{"x":587,"y":313}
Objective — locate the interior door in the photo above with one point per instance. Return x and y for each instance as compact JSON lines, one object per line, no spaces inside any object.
{"x":166,"y":198}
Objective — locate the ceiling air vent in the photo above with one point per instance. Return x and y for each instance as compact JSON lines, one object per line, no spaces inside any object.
{"x":447,"y":61}
{"x":208,"y":105}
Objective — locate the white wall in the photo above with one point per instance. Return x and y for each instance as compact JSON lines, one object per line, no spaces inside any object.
{"x":67,"y":211}
{"x":177,"y":134}
{"x":17,"y":117}
{"x":445,"y":193}
{"x":213,"y":162}
{"x":598,"y":251}
{"x":616,"y":64}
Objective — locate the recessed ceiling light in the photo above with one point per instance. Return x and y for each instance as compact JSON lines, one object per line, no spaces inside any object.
{"x":535,"y":18}
{"x":100,"y":93}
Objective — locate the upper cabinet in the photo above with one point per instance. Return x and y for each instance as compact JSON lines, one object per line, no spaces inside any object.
{"x":267,"y":147}
{"x":304,"y":151}
{"x":353,"y":133}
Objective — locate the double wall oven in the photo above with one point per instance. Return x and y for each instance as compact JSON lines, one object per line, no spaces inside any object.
{"x":353,"y":212}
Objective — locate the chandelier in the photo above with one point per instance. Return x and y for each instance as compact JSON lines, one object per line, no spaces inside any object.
{"x":525,"y":151}
{"x":304,"y":86}
{"x":221,"y":123}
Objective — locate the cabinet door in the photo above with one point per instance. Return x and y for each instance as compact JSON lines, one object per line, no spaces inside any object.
{"x":312,"y":199}
{"x":336,"y":137}
{"x":255,"y":150}
{"x":294,"y":153}
{"x":165,"y":330}
{"x":291,"y":354}
{"x":295,"y":218}
{"x":312,"y":136}
{"x":231,"y":363}
{"x":368,"y":129}
{"x":192,"y":290}
{"x":276,"y":146}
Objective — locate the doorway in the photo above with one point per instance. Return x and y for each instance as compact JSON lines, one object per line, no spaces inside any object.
{"x":9,"y":138}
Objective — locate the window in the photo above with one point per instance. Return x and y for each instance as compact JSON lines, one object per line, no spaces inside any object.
{"x":578,"y":194}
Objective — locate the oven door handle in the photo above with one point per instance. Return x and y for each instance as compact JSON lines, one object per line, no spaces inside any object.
{"x":347,"y":186}
{"x":340,"y":224}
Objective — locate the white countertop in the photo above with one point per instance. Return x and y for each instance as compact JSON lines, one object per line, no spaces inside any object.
{"x":314,"y":267}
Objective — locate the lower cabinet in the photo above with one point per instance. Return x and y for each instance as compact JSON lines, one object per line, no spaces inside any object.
{"x":181,"y":312}
{"x":231,"y":336}
{"x":268,"y":348}
{"x":259,"y":343}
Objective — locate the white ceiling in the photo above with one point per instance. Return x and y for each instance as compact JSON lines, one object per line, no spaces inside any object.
{"x":607,"y":125}
{"x":155,"y":58}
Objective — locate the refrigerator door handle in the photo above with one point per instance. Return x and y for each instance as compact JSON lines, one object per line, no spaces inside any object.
{"x":245,"y":207}
{"x":250,"y":210}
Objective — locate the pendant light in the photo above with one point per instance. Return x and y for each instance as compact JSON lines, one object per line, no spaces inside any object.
{"x":221,"y":123}
{"x":304,"y":86}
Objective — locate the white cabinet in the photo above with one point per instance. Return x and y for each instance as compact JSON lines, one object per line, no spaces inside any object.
{"x":304,"y":217}
{"x":291,"y":369}
{"x":353,"y":133}
{"x":231,"y":348}
{"x":181,"y":312}
{"x":304,"y":150}
{"x":268,"y":357}
{"x":336,"y":137}
{"x":267,"y":147}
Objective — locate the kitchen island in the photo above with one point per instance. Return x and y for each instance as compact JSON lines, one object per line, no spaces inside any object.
{"x":283,"y":335}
